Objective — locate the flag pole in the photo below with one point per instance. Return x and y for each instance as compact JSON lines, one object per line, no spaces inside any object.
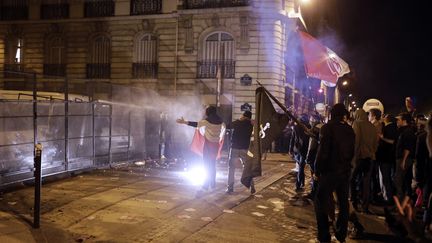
{"x":287,"y":112}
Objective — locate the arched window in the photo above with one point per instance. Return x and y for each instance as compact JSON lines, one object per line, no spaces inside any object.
{"x":55,"y":56}
{"x":14,"y":56}
{"x":99,"y":65}
{"x":218,"y":54}
{"x":145,"y":63}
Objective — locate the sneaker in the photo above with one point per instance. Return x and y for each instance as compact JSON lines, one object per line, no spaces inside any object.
{"x":229,"y":190}
{"x":356,"y":234}
{"x":252,"y":189}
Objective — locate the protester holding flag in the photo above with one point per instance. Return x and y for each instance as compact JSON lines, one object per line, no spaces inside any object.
{"x":333,"y":171}
{"x":208,"y":141}
{"x":267,"y":126}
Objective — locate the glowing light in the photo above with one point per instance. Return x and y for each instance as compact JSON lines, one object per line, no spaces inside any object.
{"x":350,"y":95}
{"x":344,"y":83}
{"x":196,"y":175}
{"x":305,"y":1}
{"x":140,"y":163}
{"x":353,"y":102}
{"x":320,"y":90}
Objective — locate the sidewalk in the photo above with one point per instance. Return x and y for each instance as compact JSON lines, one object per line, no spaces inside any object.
{"x":125,"y":205}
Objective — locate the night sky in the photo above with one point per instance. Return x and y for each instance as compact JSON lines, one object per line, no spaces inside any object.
{"x":386,"y":43}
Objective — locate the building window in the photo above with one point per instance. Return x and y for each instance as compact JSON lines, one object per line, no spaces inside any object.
{"x":99,"y":66}
{"x":54,"y":64}
{"x":218,"y":54}
{"x":54,"y":9}
{"x":99,"y":8}
{"x":140,"y":7}
{"x":145,"y":63}
{"x":191,"y":4}
{"x":13,"y":9}
{"x":14,"y":54}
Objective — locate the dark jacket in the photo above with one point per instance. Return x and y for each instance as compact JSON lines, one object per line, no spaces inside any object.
{"x":406,"y":141}
{"x":241,"y":133}
{"x":301,"y":141}
{"x":336,"y":149}
{"x":422,"y":165}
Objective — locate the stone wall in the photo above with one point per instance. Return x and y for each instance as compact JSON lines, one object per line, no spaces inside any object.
{"x":260,"y":32}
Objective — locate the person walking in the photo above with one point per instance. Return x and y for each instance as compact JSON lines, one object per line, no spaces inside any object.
{"x":214,"y":131}
{"x":366,"y":144}
{"x":240,"y":139}
{"x":333,"y":171}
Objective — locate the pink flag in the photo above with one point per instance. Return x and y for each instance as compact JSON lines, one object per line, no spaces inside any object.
{"x":321,"y":62}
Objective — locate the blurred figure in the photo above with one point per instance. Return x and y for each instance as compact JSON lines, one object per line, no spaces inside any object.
{"x":333,"y":171}
{"x":301,"y":148}
{"x":316,"y":124}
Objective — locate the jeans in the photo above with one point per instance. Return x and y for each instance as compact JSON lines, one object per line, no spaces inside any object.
{"x":301,"y":173}
{"x":235,"y":154}
{"x":385,"y":170}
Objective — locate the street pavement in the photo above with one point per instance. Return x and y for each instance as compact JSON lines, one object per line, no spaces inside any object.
{"x":133,"y":203}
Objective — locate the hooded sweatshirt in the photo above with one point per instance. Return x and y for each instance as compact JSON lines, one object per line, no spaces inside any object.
{"x":366,"y":142}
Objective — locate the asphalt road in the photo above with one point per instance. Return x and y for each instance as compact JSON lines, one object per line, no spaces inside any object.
{"x":137,"y":204}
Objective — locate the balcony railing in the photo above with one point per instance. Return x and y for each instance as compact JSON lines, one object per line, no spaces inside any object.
{"x":144,"y":70}
{"x":142,"y":7}
{"x":16,"y":10}
{"x":99,"y":8}
{"x":192,"y":4}
{"x":99,"y":70}
{"x":209,"y":69}
{"x":55,"y":70}
{"x":55,"y":11}
{"x":12,"y":70}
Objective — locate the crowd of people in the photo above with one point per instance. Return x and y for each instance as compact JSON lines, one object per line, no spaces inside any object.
{"x":363,"y":158}
{"x":356,"y":159}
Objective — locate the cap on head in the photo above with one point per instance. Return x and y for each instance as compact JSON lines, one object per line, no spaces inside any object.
{"x":247,"y":114}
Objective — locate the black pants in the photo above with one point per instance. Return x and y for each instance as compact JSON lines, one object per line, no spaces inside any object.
{"x":328,"y":184}
{"x":361,"y":178}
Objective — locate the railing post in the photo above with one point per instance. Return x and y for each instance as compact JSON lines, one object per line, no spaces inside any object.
{"x":66,"y":114}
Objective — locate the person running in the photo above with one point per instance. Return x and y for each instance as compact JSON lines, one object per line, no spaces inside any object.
{"x":214,"y":130}
{"x":240,"y":139}
{"x":333,"y":172}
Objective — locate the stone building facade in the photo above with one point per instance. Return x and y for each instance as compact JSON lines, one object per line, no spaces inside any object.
{"x":175,"y":47}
